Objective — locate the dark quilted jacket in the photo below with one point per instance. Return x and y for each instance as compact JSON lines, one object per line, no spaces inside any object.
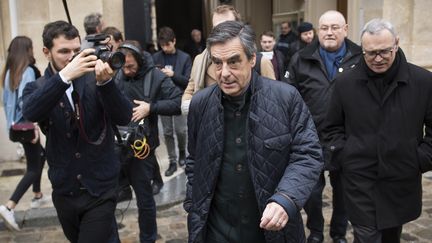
{"x":284,"y":154}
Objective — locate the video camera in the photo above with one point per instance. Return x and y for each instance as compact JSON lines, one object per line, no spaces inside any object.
{"x":103,"y":52}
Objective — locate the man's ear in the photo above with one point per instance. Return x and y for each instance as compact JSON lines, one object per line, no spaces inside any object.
{"x":252,"y":61}
{"x":47,"y":53}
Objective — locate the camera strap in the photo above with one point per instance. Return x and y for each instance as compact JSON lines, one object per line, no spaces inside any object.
{"x":147,"y":84}
{"x":79,"y":119}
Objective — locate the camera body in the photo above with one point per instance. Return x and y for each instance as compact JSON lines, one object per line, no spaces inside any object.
{"x":103,"y":52}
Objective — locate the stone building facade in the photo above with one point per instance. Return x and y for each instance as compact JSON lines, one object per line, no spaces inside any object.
{"x":27,"y":17}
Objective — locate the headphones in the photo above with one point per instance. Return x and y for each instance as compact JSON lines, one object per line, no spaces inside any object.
{"x":136,"y":53}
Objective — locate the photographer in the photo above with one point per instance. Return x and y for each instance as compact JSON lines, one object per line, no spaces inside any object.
{"x":76,"y":103}
{"x":153,"y":93}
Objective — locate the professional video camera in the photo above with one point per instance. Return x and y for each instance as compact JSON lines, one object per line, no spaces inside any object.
{"x":103,"y":51}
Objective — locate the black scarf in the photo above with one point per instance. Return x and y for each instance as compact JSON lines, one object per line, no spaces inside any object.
{"x":383,"y":80}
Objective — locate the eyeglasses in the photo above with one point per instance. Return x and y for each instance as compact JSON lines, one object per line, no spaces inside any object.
{"x":333,"y":28}
{"x":384,"y":53}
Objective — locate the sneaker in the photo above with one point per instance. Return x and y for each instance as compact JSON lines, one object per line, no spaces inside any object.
{"x":8,"y":218}
{"x":38,"y":202}
{"x":171,"y":169}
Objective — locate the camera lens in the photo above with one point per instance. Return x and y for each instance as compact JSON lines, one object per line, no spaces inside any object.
{"x":114,"y":59}
{"x":117,"y":60}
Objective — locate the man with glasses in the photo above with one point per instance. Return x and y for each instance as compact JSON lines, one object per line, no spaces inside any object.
{"x":378,"y":130}
{"x":312,"y":70}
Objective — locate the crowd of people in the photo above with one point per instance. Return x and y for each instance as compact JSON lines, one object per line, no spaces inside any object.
{"x":254,"y":129}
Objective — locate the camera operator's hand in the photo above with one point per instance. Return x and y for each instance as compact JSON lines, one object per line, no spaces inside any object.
{"x":103,"y":72}
{"x":79,"y":65}
{"x":141,"y":111}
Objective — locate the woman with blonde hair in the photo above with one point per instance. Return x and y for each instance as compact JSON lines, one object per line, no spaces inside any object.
{"x":18,"y":71}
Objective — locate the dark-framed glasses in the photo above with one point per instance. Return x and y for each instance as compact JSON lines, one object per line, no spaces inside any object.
{"x":384,"y":53}
{"x":332,"y":28}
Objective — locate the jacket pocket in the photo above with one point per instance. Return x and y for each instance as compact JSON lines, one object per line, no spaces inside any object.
{"x":278,"y":143}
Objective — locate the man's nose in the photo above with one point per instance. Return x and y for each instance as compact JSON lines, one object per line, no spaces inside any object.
{"x":225,"y":70}
{"x":378,"y":58}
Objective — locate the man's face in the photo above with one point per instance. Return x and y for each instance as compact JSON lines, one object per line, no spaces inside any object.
{"x":219,"y":18}
{"x":267,"y":43}
{"x":130,"y":67}
{"x":169,"y":47}
{"x":62,"y":52}
{"x":379,"y":50}
{"x":285,"y":29}
{"x":332,"y":32}
{"x":115,"y":44}
{"x":196,"y":36}
{"x":233,"y":69}
{"x":307,"y":36}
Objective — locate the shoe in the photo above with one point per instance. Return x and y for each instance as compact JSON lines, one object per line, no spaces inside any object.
{"x":37,"y":202}
{"x":340,"y":239}
{"x":182,"y":159}
{"x":156,"y":187}
{"x":171,"y":169}
{"x":8,"y":218}
{"x":314,"y":239}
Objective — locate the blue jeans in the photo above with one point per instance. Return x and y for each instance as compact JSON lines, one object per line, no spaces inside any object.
{"x":140,"y":173}
{"x":313,"y":208}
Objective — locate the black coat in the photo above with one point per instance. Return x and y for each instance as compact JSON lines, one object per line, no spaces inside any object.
{"x":380,"y":144}
{"x":182,"y":67}
{"x":308,"y":73}
{"x":284,"y":154}
{"x":73,"y":162}
{"x":164,"y":96}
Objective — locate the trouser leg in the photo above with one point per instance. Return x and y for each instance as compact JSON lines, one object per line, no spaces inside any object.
{"x":85,"y":218}
{"x":313,"y":209}
{"x":140,"y":175}
{"x":168,"y":131}
{"x":33,"y":158}
{"x":180,"y":125}
{"x":339,"y":218}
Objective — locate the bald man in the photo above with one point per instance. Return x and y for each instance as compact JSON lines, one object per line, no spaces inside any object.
{"x":312,"y":70}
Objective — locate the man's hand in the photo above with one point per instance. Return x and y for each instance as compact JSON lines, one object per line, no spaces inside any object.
{"x":36,"y":132}
{"x":103,"y":72}
{"x":82,"y":63}
{"x":141,"y":111}
{"x":168,"y":72}
{"x":274,"y":217}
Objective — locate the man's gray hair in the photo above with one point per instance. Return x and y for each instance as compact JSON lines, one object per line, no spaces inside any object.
{"x":229,"y":30}
{"x":91,"y":22}
{"x":375,"y":26}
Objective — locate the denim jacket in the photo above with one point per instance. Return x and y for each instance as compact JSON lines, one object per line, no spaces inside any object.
{"x":9,"y":97}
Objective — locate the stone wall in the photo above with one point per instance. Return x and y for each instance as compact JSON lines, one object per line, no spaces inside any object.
{"x":33,"y":15}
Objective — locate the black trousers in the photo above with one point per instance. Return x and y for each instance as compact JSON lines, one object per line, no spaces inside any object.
{"x":370,"y":234}
{"x":140,"y":173}
{"x":85,"y":218}
{"x":35,"y":157}
{"x":313,"y":208}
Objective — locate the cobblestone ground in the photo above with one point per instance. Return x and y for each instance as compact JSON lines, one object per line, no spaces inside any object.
{"x":172,"y":225}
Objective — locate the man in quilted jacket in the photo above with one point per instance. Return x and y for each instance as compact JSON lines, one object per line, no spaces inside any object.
{"x":254,"y":154}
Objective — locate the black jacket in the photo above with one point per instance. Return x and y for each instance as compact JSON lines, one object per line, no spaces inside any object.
{"x":182,"y":67}
{"x":308,"y":73}
{"x":164,"y":97}
{"x":284,"y":154}
{"x":73,"y":162}
{"x":380,"y":144}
